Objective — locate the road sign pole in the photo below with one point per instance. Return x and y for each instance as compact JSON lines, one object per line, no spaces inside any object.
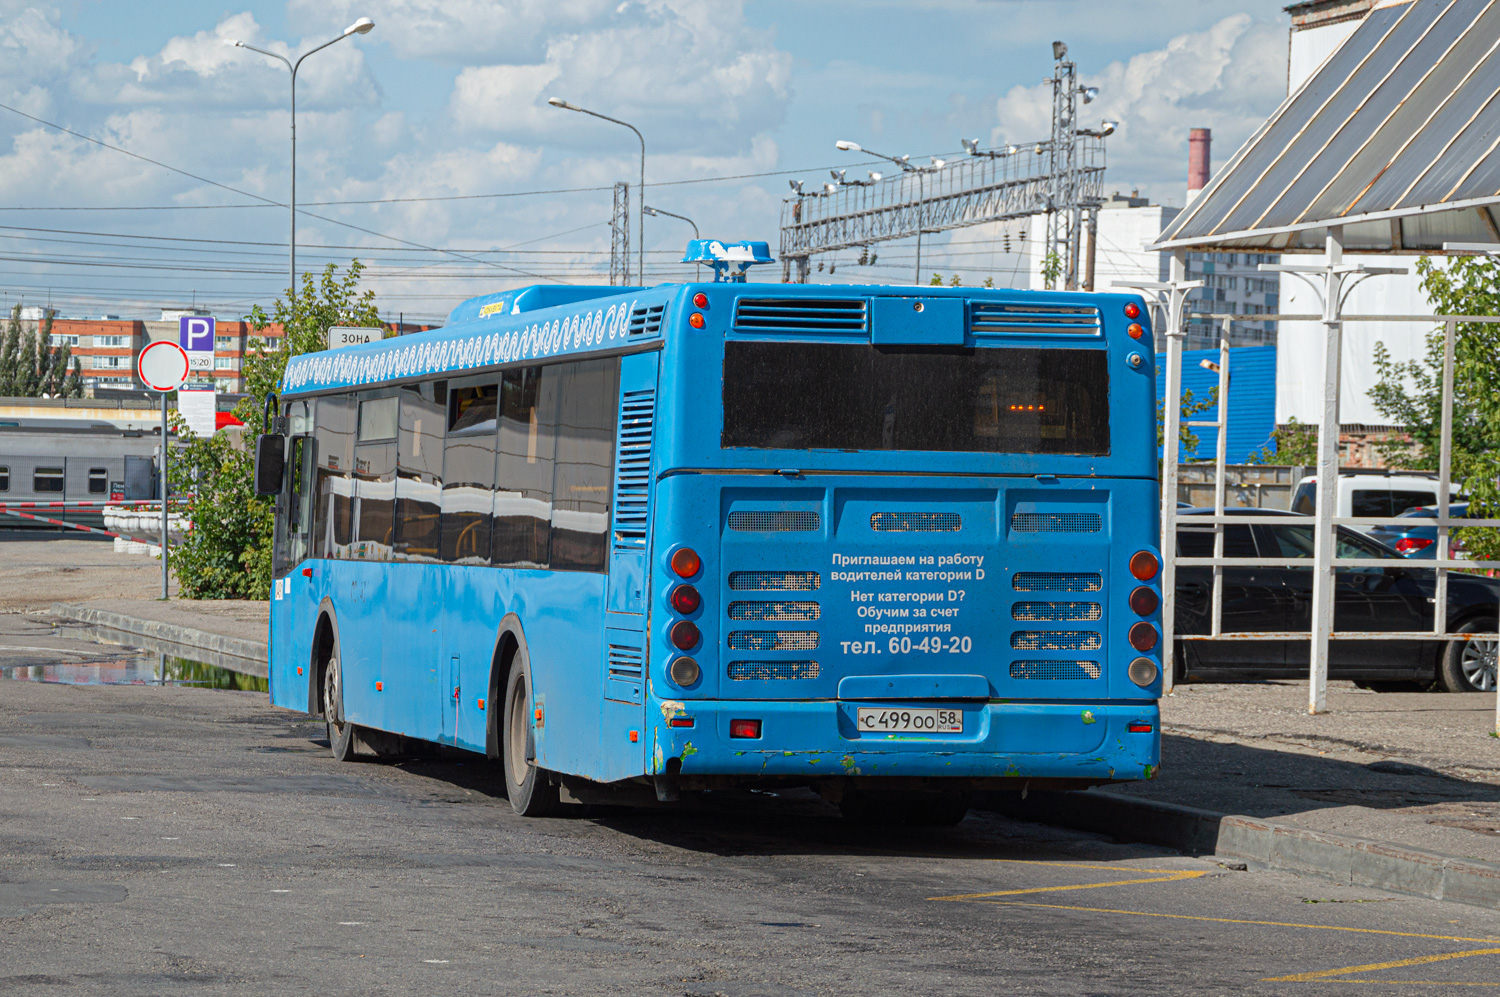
{"x":164,"y":491}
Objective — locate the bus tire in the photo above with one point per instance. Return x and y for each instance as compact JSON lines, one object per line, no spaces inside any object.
{"x":531,"y":792}
{"x":340,"y":731}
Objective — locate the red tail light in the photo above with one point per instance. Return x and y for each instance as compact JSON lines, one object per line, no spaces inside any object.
{"x":1138,"y":728}
{"x":685,"y":599}
{"x":688,"y":722}
{"x":744,"y":728}
{"x":1132,"y":310}
{"x":1143,"y":636}
{"x":1143,"y":601}
{"x":700,"y":300}
{"x":686,"y":562}
{"x":685,"y":635}
{"x":1144,"y":565}
{"x":1407,"y":545}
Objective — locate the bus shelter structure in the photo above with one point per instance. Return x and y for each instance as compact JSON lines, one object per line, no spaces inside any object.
{"x":1392,"y":146}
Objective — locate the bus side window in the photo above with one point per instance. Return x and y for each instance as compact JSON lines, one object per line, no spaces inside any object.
{"x":469,"y":474}
{"x":333,"y":512}
{"x":419,"y":472}
{"x":375,"y":476}
{"x":585,"y":462}
{"x":523,"y":466}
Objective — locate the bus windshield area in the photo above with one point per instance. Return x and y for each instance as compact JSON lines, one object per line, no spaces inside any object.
{"x":842,"y":396}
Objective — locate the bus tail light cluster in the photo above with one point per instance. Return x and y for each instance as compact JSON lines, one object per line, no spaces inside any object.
{"x":744,"y":728}
{"x":685,"y":600}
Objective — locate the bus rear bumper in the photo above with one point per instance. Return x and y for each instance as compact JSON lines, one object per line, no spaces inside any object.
{"x":1068,"y":741}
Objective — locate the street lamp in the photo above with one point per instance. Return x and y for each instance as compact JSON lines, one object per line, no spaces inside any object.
{"x":653,"y":212}
{"x":640,"y":230}
{"x":362,"y":26}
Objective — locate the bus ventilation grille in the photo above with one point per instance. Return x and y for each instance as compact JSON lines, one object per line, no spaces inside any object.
{"x":1055,"y":640}
{"x":625,"y":662}
{"x":1058,"y":581}
{"x":1025,"y":320}
{"x":637,"y":416}
{"x":773,"y":640}
{"x":1037,"y":612}
{"x":646,"y":320}
{"x":800,"y":315}
{"x":741,"y":671}
{"x":1056,"y":522}
{"x":1054,"y":670}
{"x":774,"y":522}
{"x":916,"y":522}
{"x":774,"y":612}
{"x":768,"y":581}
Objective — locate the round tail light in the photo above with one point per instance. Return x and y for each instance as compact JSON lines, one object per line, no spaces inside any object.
{"x":696,"y":320}
{"x":1144,"y":565}
{"x":685,"y":599}
{"x":1135,"y":331}
{"x":685,"y":635}
{"x":1142,"y":636}
{"x":686,"y":562}
{"x":700,"y":300}
{"x":1142,"y":672}
{"x":1143,"y":601}
{"x":1132,"y":310}
{"x":684,"y":671}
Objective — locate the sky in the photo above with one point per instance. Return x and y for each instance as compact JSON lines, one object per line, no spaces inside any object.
{"x":144,"y":161}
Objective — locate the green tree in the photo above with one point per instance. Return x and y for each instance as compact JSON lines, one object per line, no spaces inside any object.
{"x":1187,"y":439}
{"x":1409,"y":393}
{"x":936,"y":281}
{"x":1294,"y":444}
{"x":31,"y":367}
{"x":1052,"y":268}
{"x":227,"y":552}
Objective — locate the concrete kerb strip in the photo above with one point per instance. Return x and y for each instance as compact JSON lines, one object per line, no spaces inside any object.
{"x":254,"y":654}
{"x":1338,"y":858}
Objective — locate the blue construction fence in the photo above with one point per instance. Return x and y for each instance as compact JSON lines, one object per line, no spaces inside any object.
{"x":1252,"y":399}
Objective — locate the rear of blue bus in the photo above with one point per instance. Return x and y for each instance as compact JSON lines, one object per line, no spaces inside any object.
{"x":904,"y":540}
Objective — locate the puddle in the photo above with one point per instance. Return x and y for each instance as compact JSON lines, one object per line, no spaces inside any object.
{"x":130,"y":667}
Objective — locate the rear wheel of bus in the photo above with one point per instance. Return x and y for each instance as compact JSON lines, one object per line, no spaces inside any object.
{"x":340,"y":731}
{"x":531,"y":793}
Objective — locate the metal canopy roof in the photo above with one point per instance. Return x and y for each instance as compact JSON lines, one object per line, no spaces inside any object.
{"x":1396,"y":137}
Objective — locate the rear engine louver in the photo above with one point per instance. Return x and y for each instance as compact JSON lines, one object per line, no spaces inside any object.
{"x":916,"y":522}
{"x":626,"y":673}
{"x":741,"y":671}
{"x":645,"y":321}
{"x":774,"y":612}
{"x":1055,"y":640}
{"x":632,"y":483}
{"x":1062,"y":670}
{"x":772,"y":581}
{"x":800,"y":315}
{"x":774,"y":522}
{"x":1056,"y":522}
{"x":1038,"y":612}
{"x":773,"y":640}
{"x":1058,"y":581}
{"x":997,"y":318}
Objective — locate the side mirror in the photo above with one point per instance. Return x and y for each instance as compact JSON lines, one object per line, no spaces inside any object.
{"x":270,"y":463}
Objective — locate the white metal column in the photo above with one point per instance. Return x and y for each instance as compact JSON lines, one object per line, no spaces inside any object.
{"x":1328,"y":478}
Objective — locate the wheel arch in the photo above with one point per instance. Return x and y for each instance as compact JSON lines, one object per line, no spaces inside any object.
{"x":509,"y":639}
{"x":325,"y":639}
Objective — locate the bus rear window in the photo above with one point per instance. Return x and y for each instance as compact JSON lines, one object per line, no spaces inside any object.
{"x":835,"y":396}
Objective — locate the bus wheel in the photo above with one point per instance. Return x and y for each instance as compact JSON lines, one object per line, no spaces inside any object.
{"x":531,"y":793}
{"x":340,"y":732}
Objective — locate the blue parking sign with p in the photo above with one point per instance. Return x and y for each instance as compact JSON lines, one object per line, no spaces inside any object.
{"x":195,"y":333}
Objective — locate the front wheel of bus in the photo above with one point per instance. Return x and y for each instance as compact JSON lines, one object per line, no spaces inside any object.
{"x":340,"y":731}
{"x":531,"y":794}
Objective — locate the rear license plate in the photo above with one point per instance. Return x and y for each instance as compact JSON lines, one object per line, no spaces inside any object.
{"x":910,"y":721}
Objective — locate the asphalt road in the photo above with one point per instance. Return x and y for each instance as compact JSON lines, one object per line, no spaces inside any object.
{"x":164,"y":840}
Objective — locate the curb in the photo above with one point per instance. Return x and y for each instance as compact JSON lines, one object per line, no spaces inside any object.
{"x":1339,"y":858}
{"x":254,"y":654}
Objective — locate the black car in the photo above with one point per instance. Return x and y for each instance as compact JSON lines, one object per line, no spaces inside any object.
{"x":1279,"y":600}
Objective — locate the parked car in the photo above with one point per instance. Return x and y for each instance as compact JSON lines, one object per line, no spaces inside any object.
{"x":1279,"y":601}
{"x":1372,"y":493}
{"x":1419,"y":541}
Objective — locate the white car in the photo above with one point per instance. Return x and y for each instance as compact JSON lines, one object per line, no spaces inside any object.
{"x":1373,"y":494}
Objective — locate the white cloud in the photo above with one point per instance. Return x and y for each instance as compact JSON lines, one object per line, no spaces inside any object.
{"x":1229,"y":77}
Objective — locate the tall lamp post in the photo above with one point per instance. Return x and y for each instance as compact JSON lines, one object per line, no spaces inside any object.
{"x":362,"y":26}
{"x":904,"y":162}
{"x":640,"y":229}
{"x":653,"y":212}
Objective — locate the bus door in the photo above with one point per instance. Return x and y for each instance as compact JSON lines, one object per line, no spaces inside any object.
{"x":627,"y":613}
{"x":291,"y":603}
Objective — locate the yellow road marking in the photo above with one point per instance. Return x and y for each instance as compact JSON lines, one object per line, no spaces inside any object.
{"x":1169,"y":878}
{"x":1232,"y":920}
{"x":1420,"y":983}
{"x":1371,"y":967}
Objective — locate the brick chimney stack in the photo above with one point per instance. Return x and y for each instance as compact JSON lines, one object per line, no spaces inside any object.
{"x":1199,"y":140}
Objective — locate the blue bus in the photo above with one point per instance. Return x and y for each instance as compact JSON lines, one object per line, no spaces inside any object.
{"x":894,"y":544}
